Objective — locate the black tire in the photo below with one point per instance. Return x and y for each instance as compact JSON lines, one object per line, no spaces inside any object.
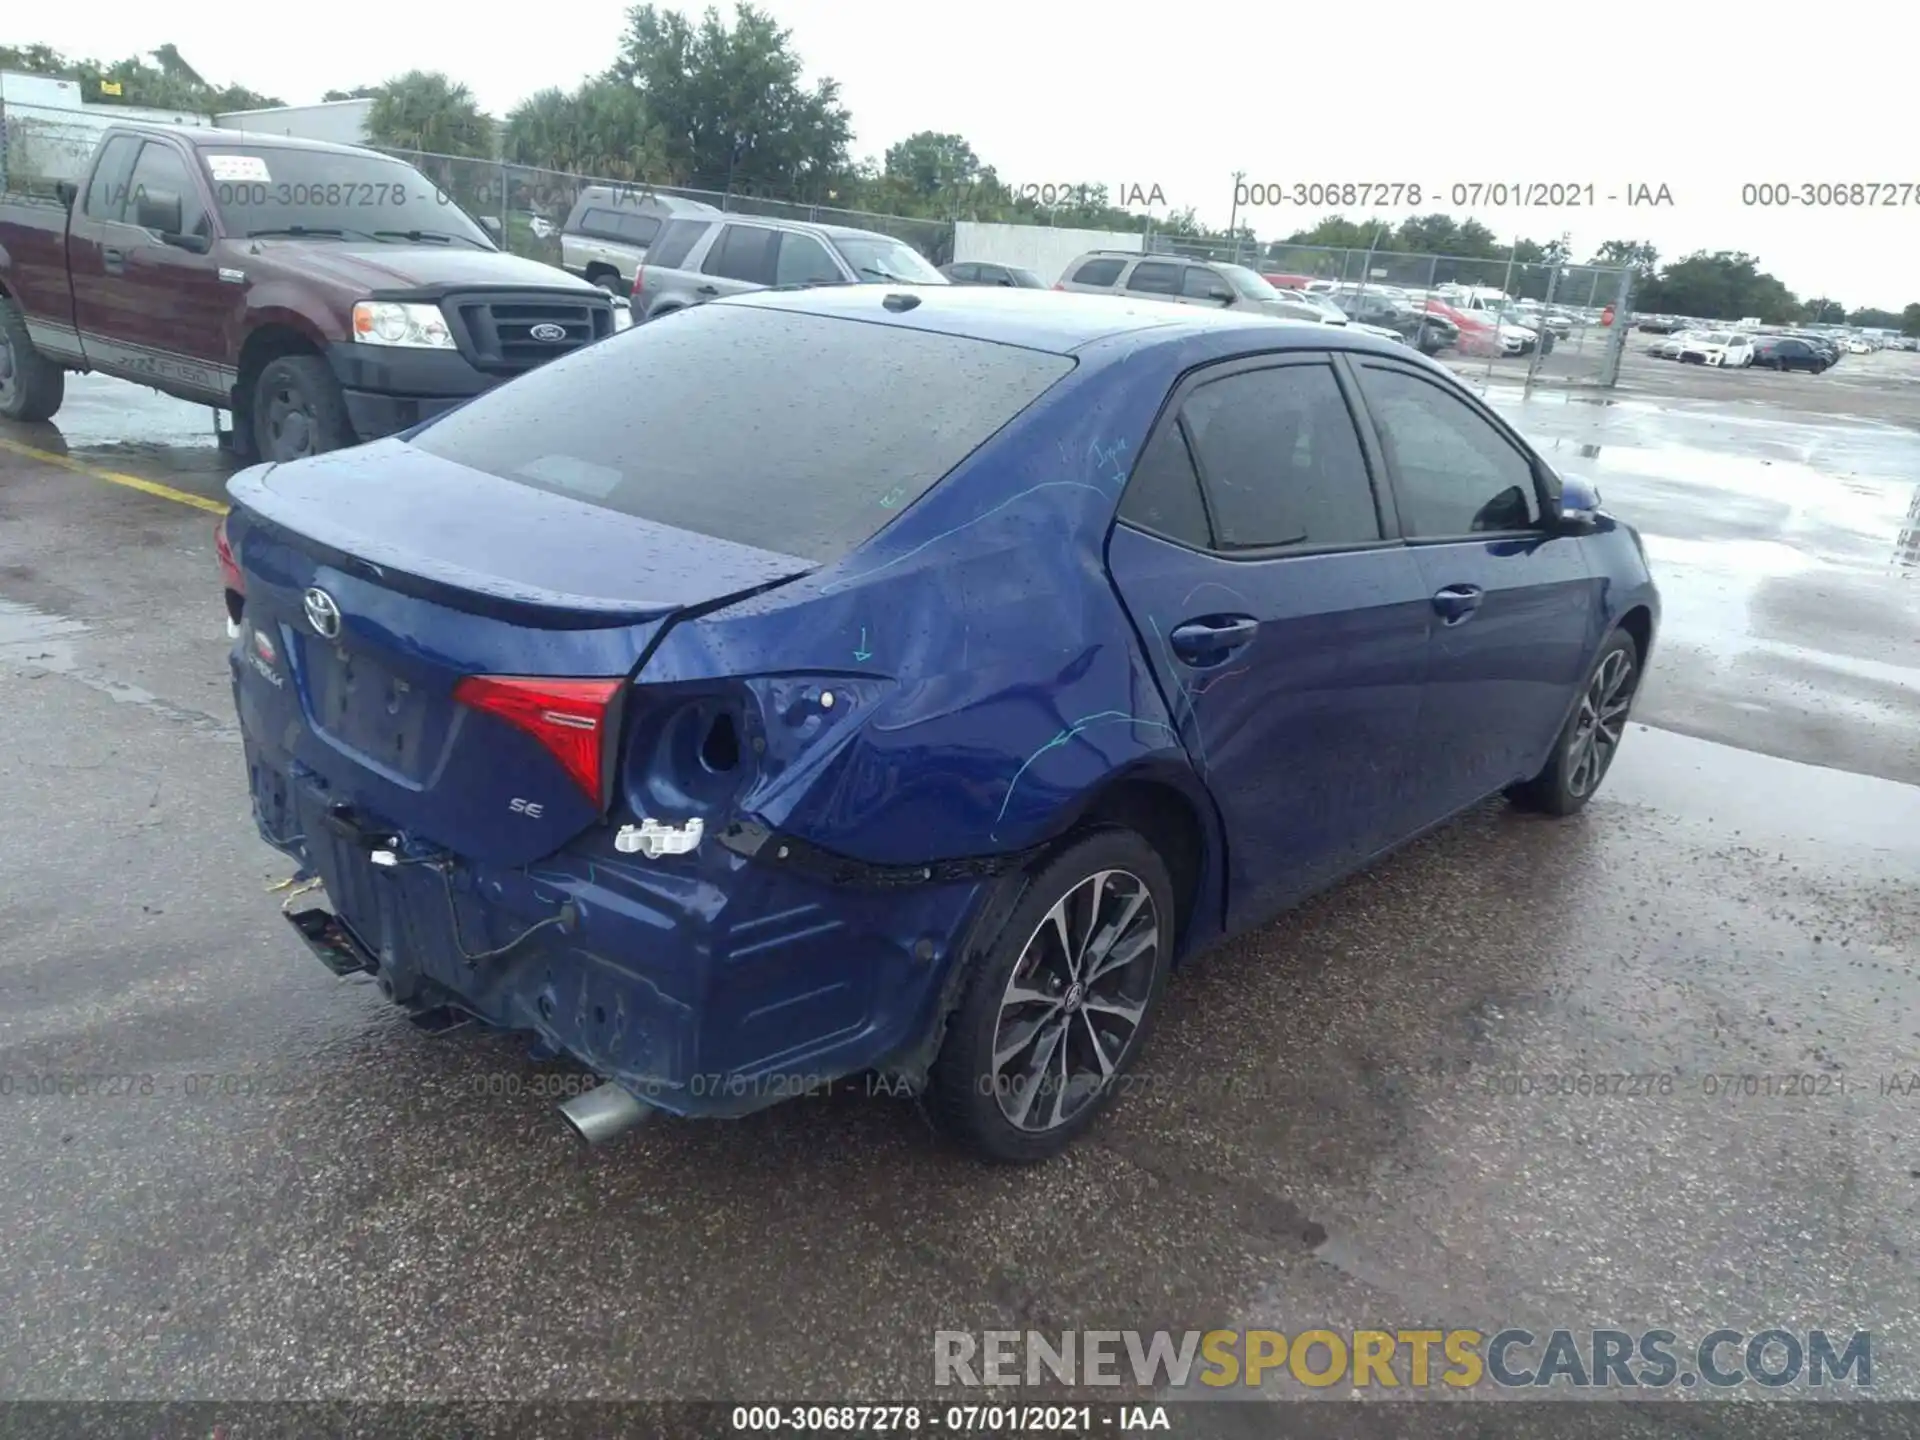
{"x":968,"y":1095}
{"x":610,"y":281}
{"x":31,"y":385}
{"x":1565,"y":786}
{"x":297,"y":410}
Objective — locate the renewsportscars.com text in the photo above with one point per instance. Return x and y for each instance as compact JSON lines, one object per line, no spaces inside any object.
{"x":1459,"y":1359}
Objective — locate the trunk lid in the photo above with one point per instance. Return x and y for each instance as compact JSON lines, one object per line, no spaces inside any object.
{"x":431,"y":572}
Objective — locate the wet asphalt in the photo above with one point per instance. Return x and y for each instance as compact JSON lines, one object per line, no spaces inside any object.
{"x":1350,"y":1119}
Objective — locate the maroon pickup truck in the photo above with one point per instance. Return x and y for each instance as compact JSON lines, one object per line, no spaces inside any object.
{"x":323,"y":294}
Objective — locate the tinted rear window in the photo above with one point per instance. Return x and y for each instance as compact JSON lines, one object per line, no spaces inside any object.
{"x":675,"y":241}
{"x":790,"y":432}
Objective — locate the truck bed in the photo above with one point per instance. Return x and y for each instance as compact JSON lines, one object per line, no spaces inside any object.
{"x":33,"y":269}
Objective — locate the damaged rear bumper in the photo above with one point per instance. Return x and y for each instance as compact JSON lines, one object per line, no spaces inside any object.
{"x":712,"y":983}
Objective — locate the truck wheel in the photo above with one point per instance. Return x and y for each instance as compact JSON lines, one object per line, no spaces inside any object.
{"x":31,"y":386}
{"x":298,"y":410}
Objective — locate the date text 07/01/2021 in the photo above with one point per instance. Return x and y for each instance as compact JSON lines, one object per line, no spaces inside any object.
{"x":1457,"y":195}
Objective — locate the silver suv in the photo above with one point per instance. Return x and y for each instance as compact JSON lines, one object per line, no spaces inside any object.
{"x":607,"y":232}
{"x":696,"y":259}
{"x":1213,"y":284}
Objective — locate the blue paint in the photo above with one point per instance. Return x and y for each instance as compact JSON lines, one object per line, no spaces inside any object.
{"x":1066,"y":736}
{"x":1012,"y":600}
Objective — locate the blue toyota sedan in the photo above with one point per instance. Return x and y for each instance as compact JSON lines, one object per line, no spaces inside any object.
{"x":903,"y":680}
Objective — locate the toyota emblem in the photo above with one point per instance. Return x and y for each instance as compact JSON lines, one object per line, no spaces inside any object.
{"x":552,"y":334}
{"x":322,"y":613}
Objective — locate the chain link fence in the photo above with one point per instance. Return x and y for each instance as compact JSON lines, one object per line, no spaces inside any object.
{"x":40,"y":148}
{"x":532,"y":203}
{"x":1551,"y":323}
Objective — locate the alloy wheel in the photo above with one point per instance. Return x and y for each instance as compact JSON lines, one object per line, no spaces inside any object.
{"x":1075,"y":1000}
{"x":1600,"y":723}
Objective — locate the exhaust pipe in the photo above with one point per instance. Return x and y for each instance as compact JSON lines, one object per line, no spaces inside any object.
{"x":604,"y":1112}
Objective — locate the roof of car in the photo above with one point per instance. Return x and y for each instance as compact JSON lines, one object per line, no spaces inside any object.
{"x":836,"y":232}
{"x":1050,"y":320}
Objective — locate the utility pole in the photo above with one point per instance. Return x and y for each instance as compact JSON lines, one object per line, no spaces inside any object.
{"x":1233,"y":215}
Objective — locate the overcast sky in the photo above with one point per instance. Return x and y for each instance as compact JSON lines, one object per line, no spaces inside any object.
{"x":1700,"y":98}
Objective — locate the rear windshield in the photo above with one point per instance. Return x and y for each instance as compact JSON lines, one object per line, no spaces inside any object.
{"x":794,"y":433}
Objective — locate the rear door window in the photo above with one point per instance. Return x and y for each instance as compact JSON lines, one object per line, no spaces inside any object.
{"x":1099,"y":272}
{"x":795,"y":433}
{"x":1151,"y":277}
{"x":1281,"y":460}
{"x":675,"y":242}
{"x":744,"y":252}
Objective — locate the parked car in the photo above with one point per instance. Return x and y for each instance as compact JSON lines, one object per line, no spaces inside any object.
{"x":808,"y":793}
{"x":1786,"y":353}
{"x":1333,"y":314}
{"x":1530,"y":333}
{"x":1475,"y":335}
{"x":1391,"y":310}
{"x":698,"y":259}
{"x":1724,"y":348}
{"x":605,"y":236}
{"x":1660,"y":324}
{"x":323,"y":294}
{"x":1208,"y":284}
{"x":981,"y":272}
{"x":1668,"y":347}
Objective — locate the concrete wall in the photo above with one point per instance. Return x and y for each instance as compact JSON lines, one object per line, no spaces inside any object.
{"x":1044,"y":249}
{"x":344,"y":122}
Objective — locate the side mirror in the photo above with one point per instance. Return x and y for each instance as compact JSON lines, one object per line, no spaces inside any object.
{"x":67,"y":191}
{"x":1220,"y":293}
{"x":158,"y":210}
{"x":1577,"y":505}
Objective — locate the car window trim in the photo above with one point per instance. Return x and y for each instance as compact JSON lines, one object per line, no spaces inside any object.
{"x":119,"y":176}
{"x":1459,"y":392}
{"x":1384,"y":510}
{"x":189,"y":194}
{"x":1125,"y":280}
{"x":720,"y":240}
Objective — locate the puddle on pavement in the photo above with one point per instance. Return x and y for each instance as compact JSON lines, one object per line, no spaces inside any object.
{"x":38,"y":642}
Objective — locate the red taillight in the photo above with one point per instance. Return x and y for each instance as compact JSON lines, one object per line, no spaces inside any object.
{"x":1060,"y":285}
{"x":229,"y":568}
{"x":639,"y":280}
{"x":569,"y":717}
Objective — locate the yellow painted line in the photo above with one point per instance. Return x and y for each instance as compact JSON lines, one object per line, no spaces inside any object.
{"x":116,"y":477}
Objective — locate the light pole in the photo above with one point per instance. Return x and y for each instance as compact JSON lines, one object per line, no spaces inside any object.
{"x":1233,"y":215}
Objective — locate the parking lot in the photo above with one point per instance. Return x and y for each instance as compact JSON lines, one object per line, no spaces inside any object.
{"x":1331,"y":1129}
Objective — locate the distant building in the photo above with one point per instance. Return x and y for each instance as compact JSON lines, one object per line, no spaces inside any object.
{"x":344,"y":122}
{"x":49,"y":128}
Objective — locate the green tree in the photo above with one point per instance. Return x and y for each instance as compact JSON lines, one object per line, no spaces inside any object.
{"x":1871,"y":318}
{"x":425,"y":110}
{"x":929,"y":162}
{"x":729,"y":100}
{"x":600,"y":129}
{"x":1638,"y":255}
{"x":359,"y":92}
{"x":168,"y":84}
{"x":1719,"y":285}
{"x":1910,"y":320}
